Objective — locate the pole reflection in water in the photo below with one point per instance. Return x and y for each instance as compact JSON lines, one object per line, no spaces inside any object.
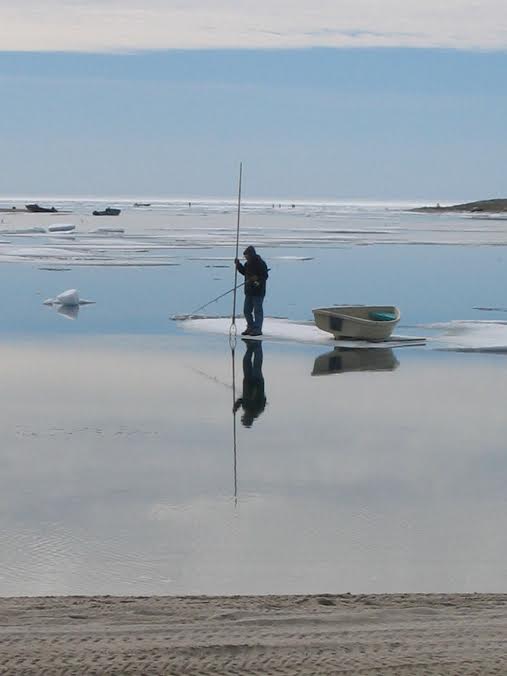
{"x":343,"y":359}
{"x":232,"y":342}
{"x":253,"y":400}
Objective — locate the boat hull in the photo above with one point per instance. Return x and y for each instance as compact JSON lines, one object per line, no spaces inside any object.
{"x":356,"y":322}
{"x":107,"y":212}
{"x":36,"y":209}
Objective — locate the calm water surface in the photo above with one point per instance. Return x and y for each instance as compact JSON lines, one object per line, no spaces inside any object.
{"x":428,"y":283}
{"x":357,"y":471}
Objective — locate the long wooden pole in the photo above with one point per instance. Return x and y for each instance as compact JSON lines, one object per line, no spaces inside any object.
{"x":233,"y":322}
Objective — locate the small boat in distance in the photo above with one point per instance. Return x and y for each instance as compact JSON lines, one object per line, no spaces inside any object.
{"x":108,"y":211}
{"x":142,"y":204}
{"x":358,"y":322}
{"x":36,"y":209}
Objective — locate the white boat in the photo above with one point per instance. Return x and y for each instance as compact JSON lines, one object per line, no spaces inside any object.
{"x":358,"y":322}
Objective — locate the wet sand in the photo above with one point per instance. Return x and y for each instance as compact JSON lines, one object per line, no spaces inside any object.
{"x":371,"y":634}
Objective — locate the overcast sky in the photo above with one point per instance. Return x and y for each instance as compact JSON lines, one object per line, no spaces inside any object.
{"x":358,"y":98}
{"x":105,"y":25}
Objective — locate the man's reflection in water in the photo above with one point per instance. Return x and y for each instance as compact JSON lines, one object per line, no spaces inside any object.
{"x":253,"y":400}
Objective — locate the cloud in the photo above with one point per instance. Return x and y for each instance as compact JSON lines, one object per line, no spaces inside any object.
{"x":125,"y":25}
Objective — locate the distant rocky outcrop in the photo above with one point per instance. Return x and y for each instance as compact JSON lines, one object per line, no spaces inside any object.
{"x":488,"y":206}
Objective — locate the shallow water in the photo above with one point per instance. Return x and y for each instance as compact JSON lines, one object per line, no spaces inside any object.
{"x":118,"y":469}
{"x":362,"y":471}
{"x":429,"y":284}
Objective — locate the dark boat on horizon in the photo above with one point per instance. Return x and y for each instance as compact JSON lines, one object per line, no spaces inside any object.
{"x":36,"y":209}
{"x":108,"y":211}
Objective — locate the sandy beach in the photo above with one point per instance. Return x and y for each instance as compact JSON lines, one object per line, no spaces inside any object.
{"x":345,"y":634}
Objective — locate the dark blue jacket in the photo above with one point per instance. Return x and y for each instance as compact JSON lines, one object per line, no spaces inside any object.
{"x":256,"y":274}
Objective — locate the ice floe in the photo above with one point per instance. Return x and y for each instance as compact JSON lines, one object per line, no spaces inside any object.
{"x":288,"y":330}
{"x":470,"y":336}
{"x":293,"y":258}
{"x":61,"y":227}
{"x":69,"y":298}
{"x":456,"y":335}
{"x":138,"y":237}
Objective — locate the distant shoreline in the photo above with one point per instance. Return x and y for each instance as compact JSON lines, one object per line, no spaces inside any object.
{"x":493,"y":206}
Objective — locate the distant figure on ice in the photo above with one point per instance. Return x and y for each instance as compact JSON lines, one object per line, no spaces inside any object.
{"x":253,"y":400}
{"x":255,"y":272}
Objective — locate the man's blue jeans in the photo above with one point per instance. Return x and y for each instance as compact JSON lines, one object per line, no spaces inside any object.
{"x":254,"y":314}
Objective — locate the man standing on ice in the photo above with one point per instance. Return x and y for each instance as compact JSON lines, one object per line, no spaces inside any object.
{"x":255,"y":272}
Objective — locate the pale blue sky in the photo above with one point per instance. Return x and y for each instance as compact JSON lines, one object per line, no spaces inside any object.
{"x":309,"y":123}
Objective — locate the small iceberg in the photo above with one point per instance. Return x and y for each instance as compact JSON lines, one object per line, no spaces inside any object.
{"x":69,"y":298}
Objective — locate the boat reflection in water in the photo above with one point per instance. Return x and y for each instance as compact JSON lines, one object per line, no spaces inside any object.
{"x":343,"y":359}
{"x":253,"y":399}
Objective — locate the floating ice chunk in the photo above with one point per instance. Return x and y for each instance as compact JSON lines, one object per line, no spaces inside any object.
{"x":69,"y":298}
{"x":471,"y":336}
{"x":61,"y":227}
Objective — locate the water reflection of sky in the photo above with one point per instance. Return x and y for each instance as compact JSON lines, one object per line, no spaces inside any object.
{"x":117,"y":470}
{"x":428,"y":283}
